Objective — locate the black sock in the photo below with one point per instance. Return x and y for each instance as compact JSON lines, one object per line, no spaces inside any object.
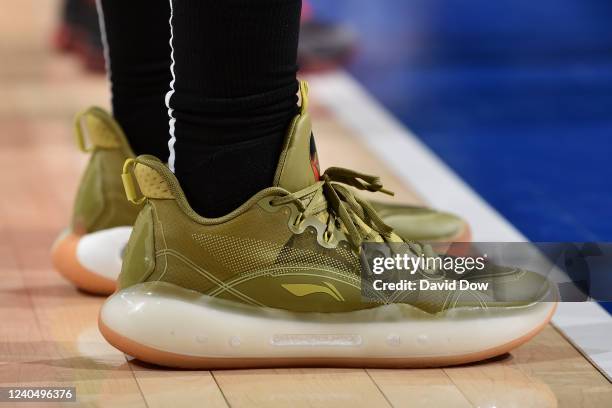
{"x":235,"y":89}
{"x":234,"y":96}
{"x":138,"y":34}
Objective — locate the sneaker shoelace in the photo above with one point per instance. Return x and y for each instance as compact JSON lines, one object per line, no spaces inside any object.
{"x":342,"y":205}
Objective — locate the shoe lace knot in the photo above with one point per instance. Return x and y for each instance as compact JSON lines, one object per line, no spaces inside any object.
{"x":334,"y":196}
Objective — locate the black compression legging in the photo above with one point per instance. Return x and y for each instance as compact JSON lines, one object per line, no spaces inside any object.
{"x":227,"y":71}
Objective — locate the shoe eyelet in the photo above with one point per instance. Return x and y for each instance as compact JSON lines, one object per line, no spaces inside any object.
{"x":269,"y":204}
{"x":297,"y":223}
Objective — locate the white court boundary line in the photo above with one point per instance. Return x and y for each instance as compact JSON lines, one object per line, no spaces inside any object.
{"x":586,"y":325}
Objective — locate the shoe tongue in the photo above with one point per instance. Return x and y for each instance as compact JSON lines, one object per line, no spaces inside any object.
{"x":298,"y":165}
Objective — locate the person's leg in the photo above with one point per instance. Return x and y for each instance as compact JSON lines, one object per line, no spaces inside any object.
{"x":196,"y":293}
{"x":232,"y":115}
{"x":233,"y":96}
{"x":136,"y":37}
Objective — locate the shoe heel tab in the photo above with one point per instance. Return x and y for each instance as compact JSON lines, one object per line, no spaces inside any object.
{"x":146,"y":177}
{"x":95,"y":128}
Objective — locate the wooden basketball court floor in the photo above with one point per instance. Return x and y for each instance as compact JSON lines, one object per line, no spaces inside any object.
{"x":48,"y":331}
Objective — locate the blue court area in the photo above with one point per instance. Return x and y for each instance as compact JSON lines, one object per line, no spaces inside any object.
{"x":515,"y":95}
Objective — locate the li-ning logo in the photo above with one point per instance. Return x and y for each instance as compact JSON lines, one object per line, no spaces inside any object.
{"x":304,"y":289}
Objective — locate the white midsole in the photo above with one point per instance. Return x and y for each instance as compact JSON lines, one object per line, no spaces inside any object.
{"x":101,"y":252}
{"x":199,"y":326}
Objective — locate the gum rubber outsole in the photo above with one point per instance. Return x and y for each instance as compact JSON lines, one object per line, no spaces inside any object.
{"x":65,"y":261}
{"x":151,"y":355}
{"x":464,"y":235}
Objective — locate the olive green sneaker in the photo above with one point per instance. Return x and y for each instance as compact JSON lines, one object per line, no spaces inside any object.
{"x":414,"y":223}
{"x":89,"y":252}
{"x":277,"y":281}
